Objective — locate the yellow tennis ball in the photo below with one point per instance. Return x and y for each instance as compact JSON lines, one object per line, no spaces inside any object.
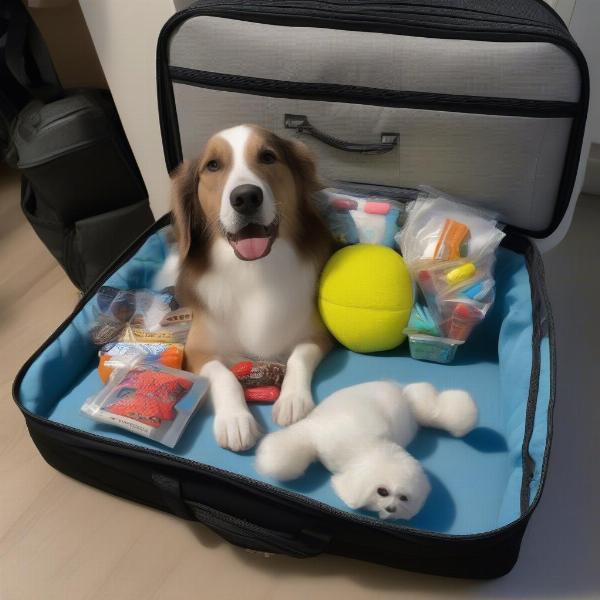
{"x":365,"y":297}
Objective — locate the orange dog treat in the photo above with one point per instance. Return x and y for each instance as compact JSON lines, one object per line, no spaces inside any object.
{"x":265,"y":393}
{"x":242,"y":369}
{"x":453,"y":237}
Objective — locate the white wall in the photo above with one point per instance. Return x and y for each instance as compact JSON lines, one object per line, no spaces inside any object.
{"x":125,"y":34}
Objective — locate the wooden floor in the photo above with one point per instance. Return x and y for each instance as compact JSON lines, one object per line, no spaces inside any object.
{"x":60,"y":539}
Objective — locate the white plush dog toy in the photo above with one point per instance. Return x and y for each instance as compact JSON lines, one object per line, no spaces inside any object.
{"x":359,"y":434}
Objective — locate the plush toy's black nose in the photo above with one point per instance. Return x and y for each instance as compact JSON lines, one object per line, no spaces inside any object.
{"x":391,"y":509}
{"x":246,"y":199}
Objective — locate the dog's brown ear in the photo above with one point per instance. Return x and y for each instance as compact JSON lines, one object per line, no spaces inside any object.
{"x":188,"y":218}
{"x":313,"y":236}
{"x":304,"y":164}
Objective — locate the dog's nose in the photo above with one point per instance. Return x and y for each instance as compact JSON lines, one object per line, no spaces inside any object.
{"x":246,"y":199}
{"x":390,"y":509}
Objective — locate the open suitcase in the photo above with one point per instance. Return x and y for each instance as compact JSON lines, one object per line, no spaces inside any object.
{"x":484,"y":99}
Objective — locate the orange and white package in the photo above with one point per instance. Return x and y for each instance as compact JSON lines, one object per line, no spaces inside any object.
{"x":120,"y":354}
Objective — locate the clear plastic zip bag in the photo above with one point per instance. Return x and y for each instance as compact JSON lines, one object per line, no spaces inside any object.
{"x":363,"y":214}
{"x":149,"y":399}
{"x":450,"y":249}
{"x":138,"y":315}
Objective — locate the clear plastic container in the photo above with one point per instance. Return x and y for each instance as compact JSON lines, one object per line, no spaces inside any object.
{"x":433,"y":349}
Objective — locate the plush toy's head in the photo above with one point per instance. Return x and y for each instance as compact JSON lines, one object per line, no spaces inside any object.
{"x":392,"y":484}
{"x":365,"y":297}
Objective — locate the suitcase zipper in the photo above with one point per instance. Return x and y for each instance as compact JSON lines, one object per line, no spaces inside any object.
{"x":332,"y":92}
{"x":417,"y":15}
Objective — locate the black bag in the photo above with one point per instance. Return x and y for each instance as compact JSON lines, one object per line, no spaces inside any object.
{"x":82,"y":191}
{"x":483,"y":120}
{"x":26,"y":69}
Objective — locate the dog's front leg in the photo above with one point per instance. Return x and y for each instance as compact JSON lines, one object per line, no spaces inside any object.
{"x":234,"y":426}
{"x":295,"y":400}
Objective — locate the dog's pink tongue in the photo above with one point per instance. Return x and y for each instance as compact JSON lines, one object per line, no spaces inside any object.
{"x":252,"y":248}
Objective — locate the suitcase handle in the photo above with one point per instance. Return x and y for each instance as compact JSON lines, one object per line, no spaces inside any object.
{"x":302,"y":125}
{"x":255,"y":537}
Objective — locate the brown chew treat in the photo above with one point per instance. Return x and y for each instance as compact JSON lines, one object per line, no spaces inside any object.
{"x":259,"y":374}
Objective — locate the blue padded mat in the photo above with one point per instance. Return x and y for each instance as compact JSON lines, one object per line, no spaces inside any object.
{"x":476,"y":481}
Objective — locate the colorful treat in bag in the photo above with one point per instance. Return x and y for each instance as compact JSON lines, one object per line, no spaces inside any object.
{"x":462,"y":320}
{"x":427,"y":289}
{"x":478,"y":291}
{"x":453,"y":242}
{"x":149,"y":399}
{"x":421,"y":321}
{"x":461,"y":273}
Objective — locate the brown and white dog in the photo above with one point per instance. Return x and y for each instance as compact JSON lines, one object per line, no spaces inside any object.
{"x":251,"y":248}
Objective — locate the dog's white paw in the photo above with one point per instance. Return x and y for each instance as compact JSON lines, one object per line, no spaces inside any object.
{"x":236,"y":431}
{"x":293,"y":404}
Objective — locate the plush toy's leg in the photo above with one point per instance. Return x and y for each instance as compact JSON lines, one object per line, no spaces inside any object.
{"x":287,"y":453}
{"x":234,"y":427}
{"x":295,"y":400}
{"x":451,"y":410}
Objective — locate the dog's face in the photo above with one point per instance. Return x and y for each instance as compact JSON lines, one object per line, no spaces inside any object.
{"x":248,"y":186}
{"x":394,"y":486}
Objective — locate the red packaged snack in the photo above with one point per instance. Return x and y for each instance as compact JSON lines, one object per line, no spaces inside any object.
{"x":149,"y":399}
{"x":148,"y":396}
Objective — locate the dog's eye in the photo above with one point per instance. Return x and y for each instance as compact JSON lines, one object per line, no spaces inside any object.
{"x":267,"y":157}
{"x":383,"y":491}
{"x":403,"y":497}
{"x":213,"y":165}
